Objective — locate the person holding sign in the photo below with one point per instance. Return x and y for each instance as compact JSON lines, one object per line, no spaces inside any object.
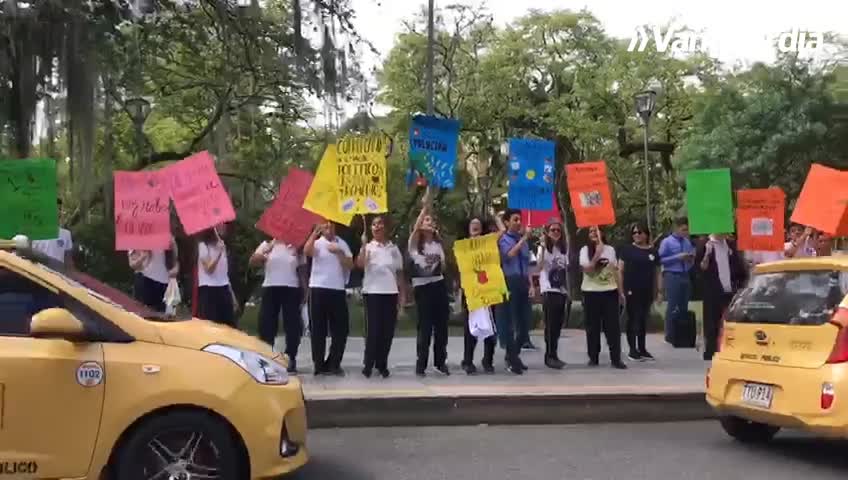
{"x":603,"y":293}
{"x":153,"y":270}
{"x":215,"y":297}
{"x":802,"y":242}
{"x":282,"y":292}
{"x":382,"y":287}
{"x":723,"y":272}
{"x":60,"y":248}
{"x":431,"y":294}
{"x":552,"y":259}
{"x":332,"y":262}
{"x":513,"y":316}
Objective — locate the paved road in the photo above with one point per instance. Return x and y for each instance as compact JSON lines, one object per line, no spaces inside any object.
{"x":680,"y":451}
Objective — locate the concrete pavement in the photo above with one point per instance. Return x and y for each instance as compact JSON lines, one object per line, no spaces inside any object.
{"x":669,"y":389}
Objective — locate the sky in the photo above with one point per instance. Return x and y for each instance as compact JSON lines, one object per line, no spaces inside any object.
{"x":734,"y":22}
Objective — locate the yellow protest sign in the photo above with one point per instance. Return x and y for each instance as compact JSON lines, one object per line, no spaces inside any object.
{"x":323,"y":196}
{"x":361,"y":174}
{"x":482,"y":279}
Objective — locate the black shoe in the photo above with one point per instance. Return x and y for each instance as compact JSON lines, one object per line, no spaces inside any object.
{"x":384,"y":372}
{"x":488,"y":368}
{"x":635,"y":356}
{"x":528,"y":345}
{"x":336,"y":372}
{"x":320,"y":370}
{"x":619,"y":365}
{"x":443,"y":369}
{"x":646,"y":356}
{"x":292,"y":368}
{"x":366,"y":372}
{"x":555,"y":363}
{"x":469,"y":368}
{"x":420,"y":372}
{"x":514,"y":369}
{"x":593,"y":362}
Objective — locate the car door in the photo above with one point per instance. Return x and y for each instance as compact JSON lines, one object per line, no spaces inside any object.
{"x":51,"y":390}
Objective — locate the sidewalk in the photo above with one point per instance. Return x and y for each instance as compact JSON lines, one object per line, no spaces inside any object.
{"x":670,"y":388}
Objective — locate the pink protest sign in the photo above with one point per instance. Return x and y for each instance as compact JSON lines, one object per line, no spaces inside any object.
{"x":539,"y":218}
{"x":286,"y":219}
{"x":199,"y":196}
{"x":142,"y":211}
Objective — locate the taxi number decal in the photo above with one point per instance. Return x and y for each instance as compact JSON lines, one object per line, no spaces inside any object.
{"x":90,"y":374}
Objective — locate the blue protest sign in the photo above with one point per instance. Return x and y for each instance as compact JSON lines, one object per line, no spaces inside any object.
{"x":531,"y":174}
{"x":432,"y":148}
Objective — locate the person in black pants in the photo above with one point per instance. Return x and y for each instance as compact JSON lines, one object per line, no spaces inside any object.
{"x":427,"y":259}
{"x":383,"y":290}
{"x":153,"y":270}
{"x":332,"y":262}
{"x":722,"y":271}
{"x":552,"y":261}
{"x":282,"y":291}
{"x":216,"y":300}
{"x":639,"y":266}
{"x":602,"y":294}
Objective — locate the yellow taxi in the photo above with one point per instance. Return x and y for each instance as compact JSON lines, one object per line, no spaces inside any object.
{"x":783,"y":359}
{"x":94,"y":385}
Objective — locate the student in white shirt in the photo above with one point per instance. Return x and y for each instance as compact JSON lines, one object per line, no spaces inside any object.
{"x":430,"y":290}
{"x":283,"y":291}
{"x":802,"y":242}
{"x":552,"y":262}
{"x":153,"y":269}
{"x":332,"y":262}
{"x":215,"y":297}
{"x":60,"y":248}
{"x":382,"y":289}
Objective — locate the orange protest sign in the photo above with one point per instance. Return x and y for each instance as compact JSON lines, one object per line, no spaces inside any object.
{"x":759,"y":219}
{"x":824,"y":200}
{"x":589,"y":189}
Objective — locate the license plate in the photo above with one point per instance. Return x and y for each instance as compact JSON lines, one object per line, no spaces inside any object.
{"x":758,"y":394}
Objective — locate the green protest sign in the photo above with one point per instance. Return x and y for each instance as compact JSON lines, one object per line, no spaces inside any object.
{"x":709,"y":201}
{"x":28,"y":199}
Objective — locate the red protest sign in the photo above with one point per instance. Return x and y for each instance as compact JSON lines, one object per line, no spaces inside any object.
{"x":142,"y":211}
{"x":199,"y":196}
{"x":540,"y":218}
{"x":759,"y":219}
{"x":589,"y":189}
{"x":823,"y":201}
{"x":286,"y":219}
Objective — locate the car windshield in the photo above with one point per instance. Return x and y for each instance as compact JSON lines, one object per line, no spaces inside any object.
{"x":790,"y":298}
{"x":94,"y":287}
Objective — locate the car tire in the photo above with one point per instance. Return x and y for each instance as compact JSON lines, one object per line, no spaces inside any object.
{"x":747,"y":431}
{"x":193,"y":442}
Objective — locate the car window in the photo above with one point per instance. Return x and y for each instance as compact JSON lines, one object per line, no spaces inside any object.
{"x":790,"y":298}
{"x":20,"y":299}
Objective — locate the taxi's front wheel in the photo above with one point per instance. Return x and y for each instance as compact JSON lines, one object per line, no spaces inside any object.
{"x":179,"y":446}
{"x":747,"y":431}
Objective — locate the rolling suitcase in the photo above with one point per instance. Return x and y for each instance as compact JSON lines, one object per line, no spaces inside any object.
{"x":686,"y":331}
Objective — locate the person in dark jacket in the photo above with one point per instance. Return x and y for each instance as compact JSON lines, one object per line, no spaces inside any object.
{"x":722,"y":272}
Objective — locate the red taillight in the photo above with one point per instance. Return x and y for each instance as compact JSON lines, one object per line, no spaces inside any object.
{"x":828,"y":395}
{"x":839,"y":354}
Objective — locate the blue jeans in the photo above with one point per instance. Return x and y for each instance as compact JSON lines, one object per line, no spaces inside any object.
{"x":513,"y":316}
{"x":677,"y":288}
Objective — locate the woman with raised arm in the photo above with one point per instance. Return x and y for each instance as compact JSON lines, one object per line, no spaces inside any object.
{"x":431,"y":294}
{"x":216,"y":300}
{"x":383,"y":292}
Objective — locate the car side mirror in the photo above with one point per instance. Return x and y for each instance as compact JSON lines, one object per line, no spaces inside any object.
{"x":56,"y":323}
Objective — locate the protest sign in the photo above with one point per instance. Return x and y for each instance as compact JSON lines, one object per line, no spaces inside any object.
{"x":531,"y":174}
{"x":323,"y":196}
{"x":361,"y":177}
{"x":823,"y":201}
{"x":199,"y":196}
{"x":142,"y":211}
{"x":433,"y":150}
{"x":28,"y":196}
{"x":589,"y":189}
{"x":709,"y":201}
{"x":540,"y":218}
{"x":286,"y":219}
{"x":479,"y":263}
{"x":759,"y":219}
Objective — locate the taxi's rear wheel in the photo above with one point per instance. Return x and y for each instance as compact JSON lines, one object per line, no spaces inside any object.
{"x":182,"y":445}
{"x":747,"y":431}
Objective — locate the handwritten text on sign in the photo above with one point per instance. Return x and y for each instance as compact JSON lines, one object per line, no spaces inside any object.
{"x":759,"y":217}
{"x":199,"y":196}
{"x":142,"y":211}
{"x":480,"y":270}
{"x":28,"y":198}
{"x":286,"y":219}
{"x":361,"y":178}
{"x":588,"y":187}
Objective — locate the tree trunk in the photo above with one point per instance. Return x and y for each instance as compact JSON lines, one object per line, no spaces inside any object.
{"x":108,"y":147}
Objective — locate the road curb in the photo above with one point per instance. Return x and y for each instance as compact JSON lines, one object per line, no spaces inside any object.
{"x":506,"y":410}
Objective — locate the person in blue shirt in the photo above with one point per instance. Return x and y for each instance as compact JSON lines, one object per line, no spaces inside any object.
{"x":677,"y":256}
{"x":513,"y":316}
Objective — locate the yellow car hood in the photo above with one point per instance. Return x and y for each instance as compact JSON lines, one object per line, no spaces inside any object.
{"x":196,"y":334}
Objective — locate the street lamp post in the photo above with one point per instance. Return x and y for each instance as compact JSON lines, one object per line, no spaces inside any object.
{"x":138,"y":109}
{"x":645,"y":103}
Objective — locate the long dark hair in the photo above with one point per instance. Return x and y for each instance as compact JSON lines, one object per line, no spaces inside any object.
{"x":642,"y":228}
{"x":592,"y":246}
{"x":561,"y":243}
{"x":208,"y":236}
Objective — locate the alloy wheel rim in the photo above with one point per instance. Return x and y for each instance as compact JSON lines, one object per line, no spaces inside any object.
{"x":181,"y":455}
